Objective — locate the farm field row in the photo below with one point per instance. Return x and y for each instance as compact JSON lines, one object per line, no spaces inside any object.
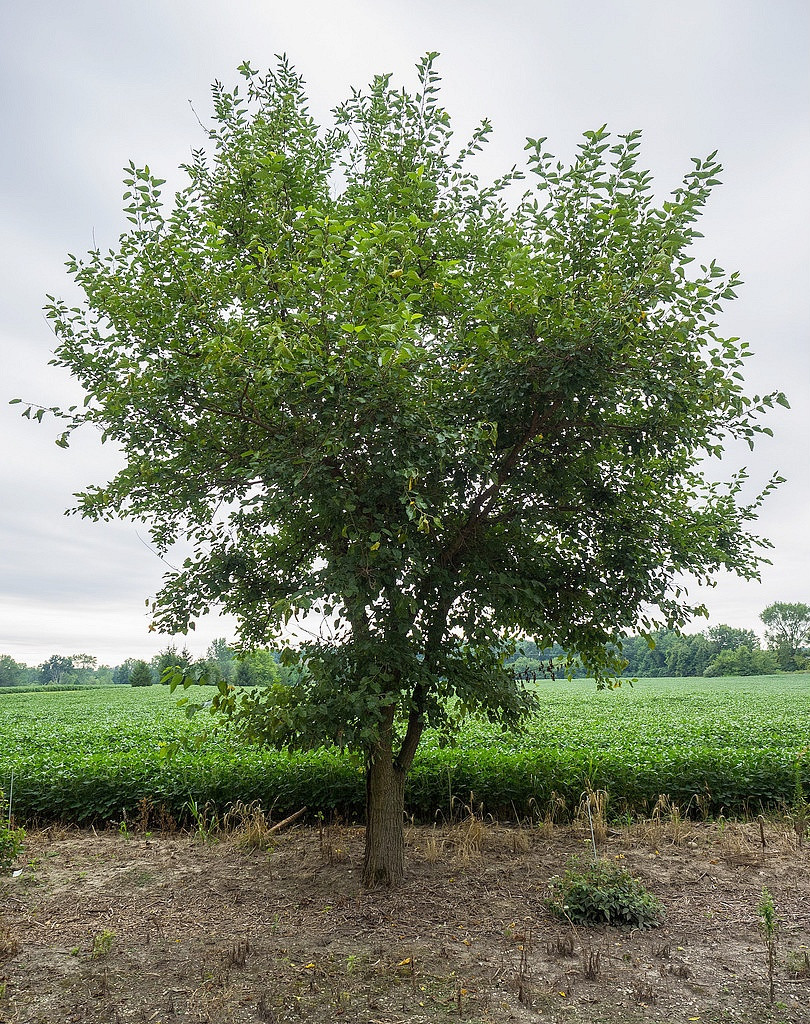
{"x":721,"y":746}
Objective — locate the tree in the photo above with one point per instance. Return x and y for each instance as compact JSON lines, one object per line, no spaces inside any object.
{"x":258,"y":668}
{"x":103,"y":675}
{"x":728,"y":638}
{"x":688,"y":656}
{"x":369,"y":387}
{"x":170,"y":658}
{"x":787,"y":631}
{"x":121,"y":673}
{"x":666,"y":653}
{"x":84,"y":665}
{"x":11,"y":672}
{"x":222,"y":658}
{"x":140,"y":674}
{"x":742,"y":661}
{"x":56,"y":669}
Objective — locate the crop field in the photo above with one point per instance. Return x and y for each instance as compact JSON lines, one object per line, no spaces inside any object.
{"x":730,"y":746}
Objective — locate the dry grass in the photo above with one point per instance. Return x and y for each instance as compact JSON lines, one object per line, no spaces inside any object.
{"x":248,"y":825}
{"x":668,"y":824}
{"x":555,"y":813}
{"x":434,"y":847}
{"x":592,"y":815}
{"x":461,"y":842}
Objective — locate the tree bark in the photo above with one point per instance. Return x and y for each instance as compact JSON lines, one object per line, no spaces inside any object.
{"x":384,"y":861}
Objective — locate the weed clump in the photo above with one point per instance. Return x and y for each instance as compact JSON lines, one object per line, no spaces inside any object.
{"x":11,"y":839}
{"x":603,"y":893}
{"x":102,"y":944}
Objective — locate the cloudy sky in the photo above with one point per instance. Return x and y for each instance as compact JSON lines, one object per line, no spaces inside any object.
{"x":89,"y":85}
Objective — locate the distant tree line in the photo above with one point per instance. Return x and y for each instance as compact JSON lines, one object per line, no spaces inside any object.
{"x":258,"y":668}
{"x":58,"y":670}
{"x":664,"y":653}
{"x":719,"y":651}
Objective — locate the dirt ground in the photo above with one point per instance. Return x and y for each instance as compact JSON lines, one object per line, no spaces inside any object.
{"x":154,"y":927}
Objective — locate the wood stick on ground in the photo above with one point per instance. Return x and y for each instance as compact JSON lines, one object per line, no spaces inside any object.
{"x":288,"y":821}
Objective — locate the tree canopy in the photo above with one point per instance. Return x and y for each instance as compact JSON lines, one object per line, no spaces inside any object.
{"x":435,"y":411}
{"x":140,"y":674}
{"x":787,"y":630}
{"x":56,"y":668}
{"x":12,"y":673}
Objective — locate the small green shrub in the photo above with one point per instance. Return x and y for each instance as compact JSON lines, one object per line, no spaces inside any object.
{"x":11,"y":839}
{"x":102,"y":944}
{"x":603,"y":893}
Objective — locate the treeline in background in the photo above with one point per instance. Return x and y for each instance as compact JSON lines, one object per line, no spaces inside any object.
{"x":259,"y":668}
{"x":719,"y":651}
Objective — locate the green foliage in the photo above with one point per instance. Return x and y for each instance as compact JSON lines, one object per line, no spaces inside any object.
{"x":102,"y":944}
{"x":140,"y":674}
{"x":121,"y":673}
{"x":742,"y":662}
{"x":769,"y":921}
{"x":727,"y":638}
{"x":58,"y":672}
{"x":721,"y":651}
{"x":11,"y":839}
{"x":222,"y":659}
{"x":603,"y":893}
{"x":667,"y":653}
{"x":364,"y":384}
{"x":206,"y":823}
{"x":56,"y":669}
{"x":258,"y":668}
{"x":170,"y":658}
{"x":11,"y":673}
{"x":731,"y":747}
{"x":787,"y":630}
{"x":768,"y":928}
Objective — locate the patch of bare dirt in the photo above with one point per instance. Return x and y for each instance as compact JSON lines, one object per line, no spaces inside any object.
{"x":108,"y":928}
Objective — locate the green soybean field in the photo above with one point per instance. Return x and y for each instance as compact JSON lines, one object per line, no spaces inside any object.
{"x":731,"y":746}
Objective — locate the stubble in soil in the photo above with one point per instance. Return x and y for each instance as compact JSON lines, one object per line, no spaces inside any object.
{"x":107,"y":928}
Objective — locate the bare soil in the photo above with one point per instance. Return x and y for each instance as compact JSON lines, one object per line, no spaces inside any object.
{"x":166,"y":928}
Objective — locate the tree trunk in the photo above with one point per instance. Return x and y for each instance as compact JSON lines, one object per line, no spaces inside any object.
{"x":384,"y":861}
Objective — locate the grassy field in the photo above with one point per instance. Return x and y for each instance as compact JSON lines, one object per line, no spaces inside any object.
{"x":730,"y":746}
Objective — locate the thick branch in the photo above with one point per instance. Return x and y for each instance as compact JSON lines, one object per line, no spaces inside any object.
{"x":413,"y":734}
{"x":483,"y":503}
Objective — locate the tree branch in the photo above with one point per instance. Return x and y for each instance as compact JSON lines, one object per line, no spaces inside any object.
{"x":483,"y":503}
{"x":413,"y":734}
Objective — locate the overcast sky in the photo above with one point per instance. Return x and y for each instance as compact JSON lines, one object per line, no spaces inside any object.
{"x":89,"y":85}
